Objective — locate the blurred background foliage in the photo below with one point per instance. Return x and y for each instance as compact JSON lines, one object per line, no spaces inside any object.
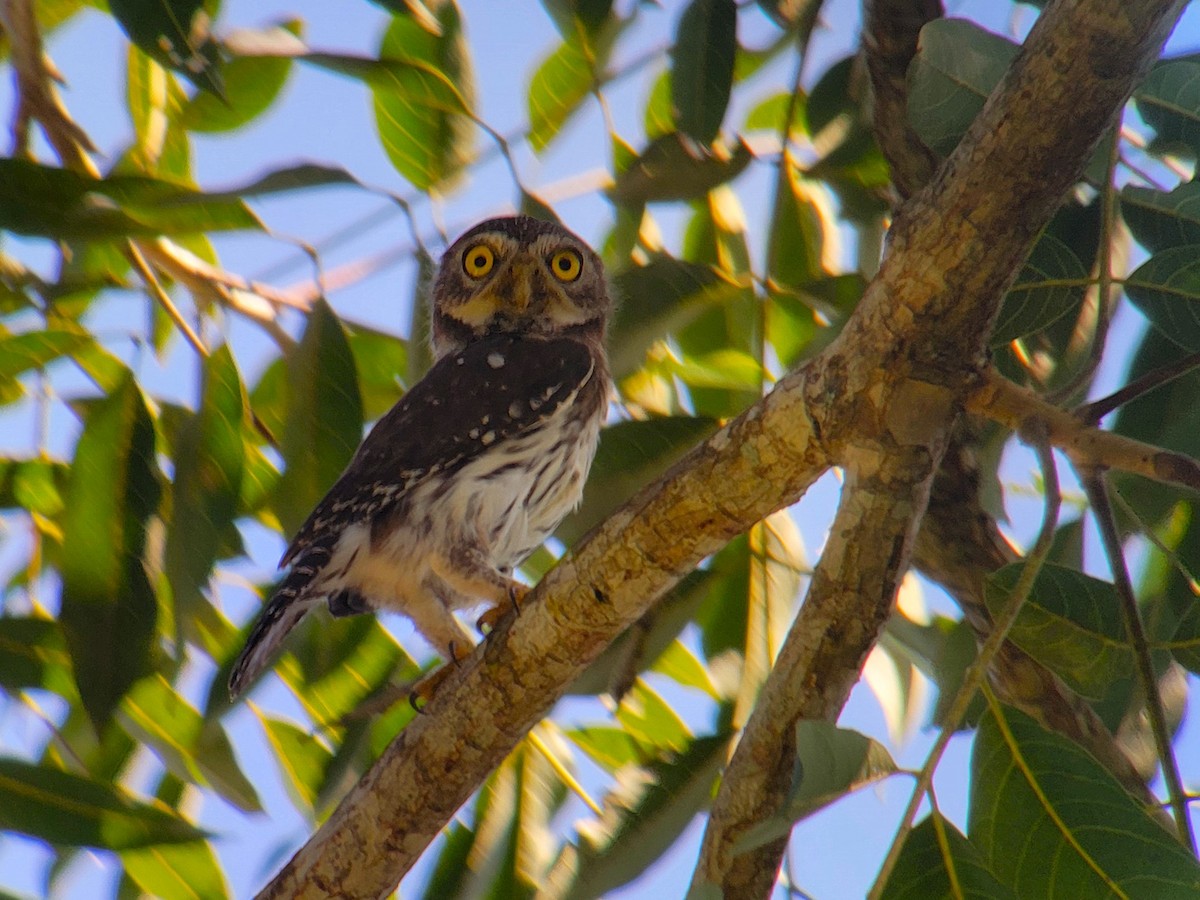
{"x":173,"y":409}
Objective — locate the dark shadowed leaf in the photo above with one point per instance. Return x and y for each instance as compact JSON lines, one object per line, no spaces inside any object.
{"x":176,"y":33}
{"x":643,"y":816}
{"x":1050,"y":286}
{"x":33,"y":655}
{"x":631,"y":454}
{"x":1050,"y":821}
{"x":830,"y":763}
{"x":792,"y":13}
{"x":702,"y":67}
{"x":324,"y":419}
{"x":36,"y":485}
{"x":939,"y":862}
{"x":109,"y":610}
{"x":251,"y":86}
{"x":1166,"y":288}
{"x":177,"y":870}
{"x":956,"y":66}
{"x":422,"y":111}
{"x":75,"y":811}
{"x":674,"y":167}
{"x":450,"y":870}
{"x":208,"y":480}
{"x":21,"y":353}
{"x":1169,"y":101}
{"x":569,"y":15}
{"x":1160,"y":220}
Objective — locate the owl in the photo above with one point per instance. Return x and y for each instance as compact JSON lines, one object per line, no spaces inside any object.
{"x":479,"y":461}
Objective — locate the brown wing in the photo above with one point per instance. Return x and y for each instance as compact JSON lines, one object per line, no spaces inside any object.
{"x":496,"y":388}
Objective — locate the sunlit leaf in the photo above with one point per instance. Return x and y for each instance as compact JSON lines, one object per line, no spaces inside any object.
{"x":177,"y":870}
{"x":251,"y":86}
{"x":939,"y":862}
{"x":429,"y":143}
{"x":76,"y":811}
{"x":702,"y":67}
{"x":644,"y":814}
{"x":303,"y":759}
{"x":21,"y":353}
{"x":558,"y":87}
{"x":109,"y":610}
{"x":1050,"y":821}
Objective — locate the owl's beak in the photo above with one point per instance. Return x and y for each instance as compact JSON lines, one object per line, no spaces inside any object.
{"x":517,"y":290}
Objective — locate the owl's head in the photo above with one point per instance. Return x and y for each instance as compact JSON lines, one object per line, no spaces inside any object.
{"x":518,"y":275}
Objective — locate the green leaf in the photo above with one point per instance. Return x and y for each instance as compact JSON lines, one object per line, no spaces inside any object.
{"x":1050,"y":821}
{"x":1050,"y":286}
{"x":569,"y":15}
{"x":380,"y":360}
{"x":558,"y":87}
{"x":645,"y":813}
{"x":1166,"y":288}
{"x":109,"y":610}
{"x":830,"y":763}
{"x":1169,"y":101}
{"x":702,"y":67}
{"x":174,"y":32}
{"x":21,"y":353}
{"x":939,"y":862}
{"x":52,"y":202}
{"x":303,"y":759}
{"x":610,"y":748}
{"x":956,"y":66}
{"x":1071,"y":623}
{"x":1160,"y":220}
{"x":76,"y":811}
{"x":423,"y":110}
{"x":35,"y":485}
{"x":659,"y":118}
{"x":324,"y":419}
{"x":33,"y":655}
{"x":674,"y":167}
{"x":177,"y":870}
{"x":631,"y":454}
{"x":251,"y":86}
{"x":192,"y":750}
{"x":801,"y":221}
{"x":153,"y":97}
{"x":801,"y":14}
{"x":650,"y":720}
{"x":451,"y":870}
{"x":209,"y":460}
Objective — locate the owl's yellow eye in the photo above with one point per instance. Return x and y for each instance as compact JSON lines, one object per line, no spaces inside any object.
{"x":566,"y":265}
{"x":478,"y":260}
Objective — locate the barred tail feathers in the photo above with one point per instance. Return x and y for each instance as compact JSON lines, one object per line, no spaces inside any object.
{"x":278,"y":617}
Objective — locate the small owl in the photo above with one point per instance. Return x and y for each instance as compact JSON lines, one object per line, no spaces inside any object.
{"x":476,"y":465}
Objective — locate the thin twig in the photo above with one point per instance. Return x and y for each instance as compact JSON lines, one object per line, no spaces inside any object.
{"x":1096,"y":486}
{"x":1038,"y":437}
{"x":1092,"y":413}
{"x":156,"y":290}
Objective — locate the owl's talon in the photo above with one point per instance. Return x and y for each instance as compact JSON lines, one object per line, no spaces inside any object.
{"x":425,"y":688}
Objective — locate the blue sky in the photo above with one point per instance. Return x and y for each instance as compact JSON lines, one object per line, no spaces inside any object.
{"x":326,"y":118}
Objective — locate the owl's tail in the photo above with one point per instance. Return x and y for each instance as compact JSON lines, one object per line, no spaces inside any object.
{"x":279,"y":616}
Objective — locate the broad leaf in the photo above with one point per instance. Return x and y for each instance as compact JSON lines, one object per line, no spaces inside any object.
{"x":177,"y":870}
{"x":939,"y":862}
{"x":33,"y":655}
{"x":559,"y":85}
{"x":303,"y":759}
{"x":1050,"y":821}
{"x":1169,"y":101}
{"x":174,"y":32}
{"x":324,"y":419}
{"x":830,"y":763}
{"x":702,"y":67}
{"x":109,"y":609}
{"x":1160,"y":220}
{"x":674,"y":167}
{"x":1051,"y":285}
{"x":21,"y":353}
{"x":429,"y":143}
{"x":1166,"y":288}
{"x":75,"y":811}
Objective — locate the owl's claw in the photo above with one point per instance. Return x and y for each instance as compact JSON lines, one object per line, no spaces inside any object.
{"x":425,"y":688}
{"x":491,"y":616}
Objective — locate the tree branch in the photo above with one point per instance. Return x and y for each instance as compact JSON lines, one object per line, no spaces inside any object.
{"x":890,"y":31}
{"x":954,"y":251}
{"x":881,"y":399}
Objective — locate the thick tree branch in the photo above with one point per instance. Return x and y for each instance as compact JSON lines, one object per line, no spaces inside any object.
{"x":955,"y":249}
{"x":760,"y":462}
{"x":890,"y":31}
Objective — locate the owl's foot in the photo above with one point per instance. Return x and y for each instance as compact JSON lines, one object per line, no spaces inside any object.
{"x":425,"y":689}
{"x":491,"y":616}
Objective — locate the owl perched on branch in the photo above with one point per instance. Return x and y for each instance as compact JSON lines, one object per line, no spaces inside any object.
{"x":476,"y":465}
